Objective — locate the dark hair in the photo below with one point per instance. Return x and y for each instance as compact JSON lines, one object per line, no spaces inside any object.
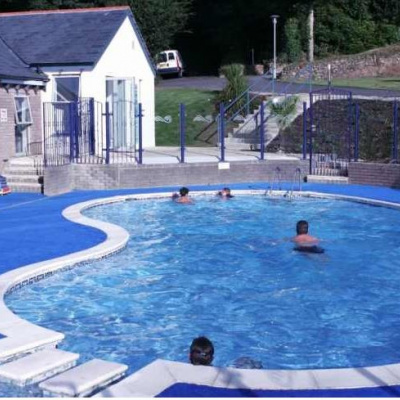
{"x":183,"y":191}
{"x":201,"y":351}
{"x":302,"y":227}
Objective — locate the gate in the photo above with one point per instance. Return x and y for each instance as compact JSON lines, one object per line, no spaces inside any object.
{"x":70,"y":132}
{"x":80,"y":132}
{"x":332,"y":132}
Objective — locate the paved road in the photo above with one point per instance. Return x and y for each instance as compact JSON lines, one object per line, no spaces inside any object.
{"x":264,"y":85}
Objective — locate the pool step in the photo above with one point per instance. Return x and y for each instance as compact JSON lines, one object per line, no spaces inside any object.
{"x":37,"y":366}
{"x":84,"y":379}
{"x":340,"y":180}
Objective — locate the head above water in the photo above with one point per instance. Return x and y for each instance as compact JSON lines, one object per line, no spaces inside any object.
{"x":183,"y":191}
{"x":201,"y":351}
{"x":302,"y":227}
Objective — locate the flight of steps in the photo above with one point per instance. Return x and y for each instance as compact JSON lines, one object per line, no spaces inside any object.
{"x":58,"y":376}
{"x":24,"y":174}
{"x":246,"y":135}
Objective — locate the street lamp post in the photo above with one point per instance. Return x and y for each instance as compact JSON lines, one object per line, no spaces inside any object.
{"x":274,"y":22}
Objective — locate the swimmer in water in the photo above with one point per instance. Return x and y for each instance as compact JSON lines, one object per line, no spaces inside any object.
{"x":183,"y":196}
{"x":305,"y":242}
{"x":225,"y":193}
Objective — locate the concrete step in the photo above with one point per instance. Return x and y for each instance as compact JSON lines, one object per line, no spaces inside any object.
{"x":26,"y":187}
{"x":24,"y":161}
{"x":16,"y":179}
{"x":20,"y":170}
{"x":340,"y":180}
{"x":37,"y":366}
{"x":84,"y":380}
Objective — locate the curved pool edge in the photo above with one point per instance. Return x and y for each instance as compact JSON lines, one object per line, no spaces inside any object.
{"x":23,"y":337}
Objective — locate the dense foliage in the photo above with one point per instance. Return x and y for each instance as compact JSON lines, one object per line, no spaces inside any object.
{"x":211,"y":33}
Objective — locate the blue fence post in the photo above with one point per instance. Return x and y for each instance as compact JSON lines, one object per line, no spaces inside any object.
{"x":262,"y":131}
{"x":304,"y":130}
{"x":72,"y":126}
{"x":108,"y":133}
{"x":357,"y":133}
{"x":140,"y":149}
{"x":45,"y":116}
{"x":182,"y":125}
{"x":78,"y":126}
{"x":395,"y":130}
{"x":311,"y":133}
{"x":91,"y":128}
{"x":222,"y":130}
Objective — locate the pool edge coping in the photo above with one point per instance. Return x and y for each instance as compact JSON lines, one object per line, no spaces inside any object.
{"x":35,"y":337}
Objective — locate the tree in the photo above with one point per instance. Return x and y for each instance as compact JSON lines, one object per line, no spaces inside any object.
{"x":160,"y":21}
{"x":292,"y":40}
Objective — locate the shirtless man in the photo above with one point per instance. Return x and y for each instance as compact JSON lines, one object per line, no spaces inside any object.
{"x":183,"y":196}
{"x":303,"y":238}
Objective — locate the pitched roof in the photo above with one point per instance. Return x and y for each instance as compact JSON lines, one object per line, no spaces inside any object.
{"x":11,"y":67}
{"x":64,"y":37}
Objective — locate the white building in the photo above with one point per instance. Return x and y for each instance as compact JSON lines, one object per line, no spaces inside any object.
{"x":95,"y":53}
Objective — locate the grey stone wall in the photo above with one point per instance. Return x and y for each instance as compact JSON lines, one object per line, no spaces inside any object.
{"x":385,"y":61}
{"x":7,"y":128}
{"x":58,"y":180}
{"x":387,"y":175}
{"x":76,"y":176}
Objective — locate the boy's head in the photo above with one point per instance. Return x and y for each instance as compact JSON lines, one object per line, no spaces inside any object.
{"x":201,"y":351}
{"x":184,"y":191}
{"x":302,"y":227}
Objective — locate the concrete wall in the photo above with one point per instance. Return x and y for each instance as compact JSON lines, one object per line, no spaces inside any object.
{"x":58,"y":180}
{"x":7,"y":124}
{"x":80,"y":176}
{"x":387,"y":175}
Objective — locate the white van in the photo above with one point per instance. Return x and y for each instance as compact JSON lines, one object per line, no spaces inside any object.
{"x":170,"y":62}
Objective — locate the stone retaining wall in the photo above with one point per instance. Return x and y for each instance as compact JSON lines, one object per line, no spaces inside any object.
{"x":77,"y":176}
{"x":382,"y":62}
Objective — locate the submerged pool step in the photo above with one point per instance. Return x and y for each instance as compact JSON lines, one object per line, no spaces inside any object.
{"x":37,"y":366}
{"x":84,"y":379}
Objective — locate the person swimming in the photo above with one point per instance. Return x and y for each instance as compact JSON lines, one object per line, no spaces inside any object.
{"x":201,"y":351}
{"x":306,"y":243}
{"x":225,"y":193}
{"x":183,"y":196}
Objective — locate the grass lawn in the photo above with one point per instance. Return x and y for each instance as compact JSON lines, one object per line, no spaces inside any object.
{"x":197,"y":102}
{"x":392,"y":83}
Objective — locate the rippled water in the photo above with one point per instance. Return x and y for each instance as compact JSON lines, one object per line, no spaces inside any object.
{"x":227,"y":270}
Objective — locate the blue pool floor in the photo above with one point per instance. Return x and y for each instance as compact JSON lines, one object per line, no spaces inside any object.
{"x":32,"y":229}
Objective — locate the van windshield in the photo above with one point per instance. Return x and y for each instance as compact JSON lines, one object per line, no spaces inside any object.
{"x":162,"y":57}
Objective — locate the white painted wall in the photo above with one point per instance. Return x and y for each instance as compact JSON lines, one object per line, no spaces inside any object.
{"x":123,"y":58}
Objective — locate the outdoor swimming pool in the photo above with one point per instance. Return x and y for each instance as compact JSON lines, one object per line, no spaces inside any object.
{"x":226,"y":269}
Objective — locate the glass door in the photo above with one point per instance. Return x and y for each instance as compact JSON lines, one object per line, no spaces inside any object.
{"x":120,"y":95}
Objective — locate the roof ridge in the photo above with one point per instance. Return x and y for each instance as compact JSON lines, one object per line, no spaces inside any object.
{"x":65,"y":11}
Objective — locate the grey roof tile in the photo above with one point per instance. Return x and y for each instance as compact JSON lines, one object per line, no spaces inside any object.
{"x":12,"y":67}
{"x":61,"y":36}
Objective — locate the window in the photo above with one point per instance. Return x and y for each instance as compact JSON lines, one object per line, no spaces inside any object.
{"x":171,"y":56}
{"x":67,"y":88}
{"x":23,"y":113}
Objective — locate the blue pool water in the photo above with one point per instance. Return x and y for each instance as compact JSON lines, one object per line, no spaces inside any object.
{"x":227,"y":270}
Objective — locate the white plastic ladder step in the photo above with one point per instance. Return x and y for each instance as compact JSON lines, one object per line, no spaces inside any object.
{"x":83,"y":380}
{"x":37,"y":366}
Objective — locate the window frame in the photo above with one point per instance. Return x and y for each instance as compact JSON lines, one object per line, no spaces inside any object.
{"x":28,"y":121}
{"x":56,"y":94}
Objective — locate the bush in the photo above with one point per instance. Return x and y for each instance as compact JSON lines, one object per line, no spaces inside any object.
{"x":236,"y":85}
